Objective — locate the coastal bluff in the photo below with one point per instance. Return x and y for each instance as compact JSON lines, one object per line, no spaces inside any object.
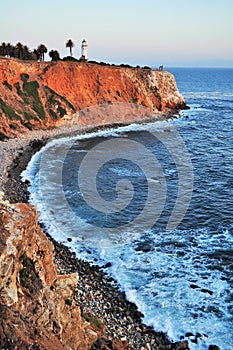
{"x":41,"y":95}
{"x":48,"y":298}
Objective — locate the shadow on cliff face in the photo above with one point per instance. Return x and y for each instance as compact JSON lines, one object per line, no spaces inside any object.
{"x":28,"y":277}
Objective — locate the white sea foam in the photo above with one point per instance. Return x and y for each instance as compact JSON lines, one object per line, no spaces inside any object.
{"x":167,"y":297}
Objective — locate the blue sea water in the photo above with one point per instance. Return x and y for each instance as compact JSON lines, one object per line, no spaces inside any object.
{"x":181,"y":278}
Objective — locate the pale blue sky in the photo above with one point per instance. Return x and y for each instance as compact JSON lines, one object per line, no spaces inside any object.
{"x":145,"y":32}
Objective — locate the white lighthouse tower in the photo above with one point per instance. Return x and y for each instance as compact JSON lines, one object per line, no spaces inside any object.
{"x":84,"y":50}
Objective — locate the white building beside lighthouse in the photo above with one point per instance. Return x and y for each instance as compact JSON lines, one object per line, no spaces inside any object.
{"x":84,"y":50}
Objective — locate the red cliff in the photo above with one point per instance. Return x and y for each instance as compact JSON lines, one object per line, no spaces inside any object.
{"x":38,"y":95}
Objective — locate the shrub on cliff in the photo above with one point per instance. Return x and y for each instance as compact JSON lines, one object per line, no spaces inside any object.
{"x":54,"y":54}
{"x":70,"y":59}
{"x":7,"y":85}
{"x":94,"y":62}
{"x":30,"y":95}
{"x":104,"y":63}
{"x":8,"y":111}
{"x":125,"y":65}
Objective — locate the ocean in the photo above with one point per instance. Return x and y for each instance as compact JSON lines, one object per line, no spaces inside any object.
{"x":156,"y":201}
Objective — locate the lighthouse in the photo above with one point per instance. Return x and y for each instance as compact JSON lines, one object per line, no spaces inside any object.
{"x":84,"y":50}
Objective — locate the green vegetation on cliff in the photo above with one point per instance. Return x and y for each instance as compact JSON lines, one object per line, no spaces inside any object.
{"x":10,"y":113}
{"x":30,"y":95}
{"x":54,"y":95}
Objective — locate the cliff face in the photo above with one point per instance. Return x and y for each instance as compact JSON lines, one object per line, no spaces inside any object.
{"x":37,"y":95}
{"x":36,"y":309}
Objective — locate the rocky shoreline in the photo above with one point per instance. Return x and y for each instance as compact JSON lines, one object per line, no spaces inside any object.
{"x":117,"y":321}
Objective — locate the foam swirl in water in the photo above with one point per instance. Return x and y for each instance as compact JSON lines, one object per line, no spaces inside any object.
{"x":116,"y":201}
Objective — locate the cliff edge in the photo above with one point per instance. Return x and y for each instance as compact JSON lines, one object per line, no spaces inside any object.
{"x":39,"y":95}
{"x":36,"y":308}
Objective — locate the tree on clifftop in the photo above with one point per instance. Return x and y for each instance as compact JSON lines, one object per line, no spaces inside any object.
{"x":54,"y":54}
{"x":19,"y":51}
{"x":42,"y":49}
{"x":70,"y":44}
{"x":3,"y":49}
{"x":10,"y":50}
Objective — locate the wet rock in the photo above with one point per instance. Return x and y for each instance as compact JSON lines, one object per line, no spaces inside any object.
{"x":189,"y":334}
{"x":106,"y":266}
{"x":194,"y":286}
{"x":144,"y":247}
{"x":203,"y":290}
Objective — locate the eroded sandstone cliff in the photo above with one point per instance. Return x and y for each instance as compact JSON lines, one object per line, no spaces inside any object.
{"x":36,"y":307}
{"x":36,"y":95}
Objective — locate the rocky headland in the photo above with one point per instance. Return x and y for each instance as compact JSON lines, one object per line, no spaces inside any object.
{"x":41,"y":95}
{"x":49,"y":299}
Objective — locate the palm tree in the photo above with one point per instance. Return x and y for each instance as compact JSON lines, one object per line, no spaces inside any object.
{"x":3,"y":49}
{"x":42,"y":49}
{"x":70,"y":44}
{"x":26,"y":53}
{"x":19,"y":50}
{"x":10,"y":50}
{"x":36,"y":54}
{"x":54,"y":54}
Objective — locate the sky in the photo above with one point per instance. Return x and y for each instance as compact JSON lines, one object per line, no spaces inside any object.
{"x":173,"y":33}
